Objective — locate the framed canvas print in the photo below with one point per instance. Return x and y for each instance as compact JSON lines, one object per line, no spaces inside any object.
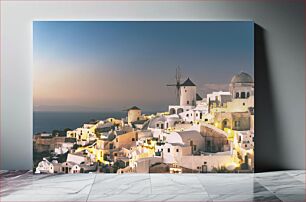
{"x":143,"y":96}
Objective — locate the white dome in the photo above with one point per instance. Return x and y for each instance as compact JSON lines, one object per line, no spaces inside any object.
{"x":242,"y":77}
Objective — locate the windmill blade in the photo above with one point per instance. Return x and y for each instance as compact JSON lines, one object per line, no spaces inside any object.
{"x":178,"y":93}
{"x":178,"y":83}
{"x":178,"y":75}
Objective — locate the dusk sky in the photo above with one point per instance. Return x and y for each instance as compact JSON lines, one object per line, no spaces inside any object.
{"x":109,"y":66}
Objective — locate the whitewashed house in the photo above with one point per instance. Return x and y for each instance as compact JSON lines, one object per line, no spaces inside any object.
{"x":44,"y":167}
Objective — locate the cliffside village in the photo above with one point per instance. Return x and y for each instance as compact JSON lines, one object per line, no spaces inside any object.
{"x":214,"y":134}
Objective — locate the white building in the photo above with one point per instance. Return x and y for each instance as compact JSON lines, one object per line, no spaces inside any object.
{"x":65,"y":147}
{"x":192,"y":107}
{"x":188,"y":93}
{"x":242,"y":86}
{"x":76,"y":158}
{"x":44,"y":167}
{"x":245,"y":139}
{"x":171,"y":153}
{"x":134,"y":114}
{"x":163,"y":122}
{"x":70,"y":167}
{"x":188,"y":98}
{"x":220,"y":96}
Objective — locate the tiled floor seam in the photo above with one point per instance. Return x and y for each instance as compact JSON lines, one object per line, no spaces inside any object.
{"x":209,"y":197}
{"x":274,"y":194}
{"x":91,"y":188}
{"x":151,"y":192}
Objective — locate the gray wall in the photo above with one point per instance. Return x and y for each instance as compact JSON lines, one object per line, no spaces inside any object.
{"x":279,"y":73}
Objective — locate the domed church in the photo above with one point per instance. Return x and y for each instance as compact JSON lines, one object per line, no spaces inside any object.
{"x":241,"y":86}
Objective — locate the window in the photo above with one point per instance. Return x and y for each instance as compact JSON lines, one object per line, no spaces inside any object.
{"x":243,"y":104}
{"x":177,"y":150}
{"x":194,"y":147}
{"x":208,"y":143}
{"x":187,"y":115}
{"x":237,"y":95}
{"x":162,"y":126}
{"x":248,"y":94}
{"x":206,"y":119}
{"x":116,"y":139}
{"x":188,"y":102}
{"x":237,"y":123}
{"x":168,"y":150}
{"x":242,"y":94}
{"x":157,"y":125}
{"x":133,"y":139}
{"x":115,"y":154}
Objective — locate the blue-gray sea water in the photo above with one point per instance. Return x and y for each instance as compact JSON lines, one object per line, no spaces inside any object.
{"x":48,"y":121}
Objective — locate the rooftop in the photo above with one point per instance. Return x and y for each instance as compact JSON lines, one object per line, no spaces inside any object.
{"x":242,"y":77}
{"x":133,"y":108}
{"x":199,"y":97}
{"x":188,"y":82}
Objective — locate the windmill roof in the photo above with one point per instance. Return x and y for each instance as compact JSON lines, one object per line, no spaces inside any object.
{"x":198,"y":97}
{"x":188,"y":82}
{"x":133,"y":108}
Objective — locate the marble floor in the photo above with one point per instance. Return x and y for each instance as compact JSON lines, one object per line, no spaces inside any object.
{"x":269,"y":186}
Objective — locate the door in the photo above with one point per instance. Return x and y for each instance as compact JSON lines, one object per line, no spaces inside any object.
{"x":204,"y":169}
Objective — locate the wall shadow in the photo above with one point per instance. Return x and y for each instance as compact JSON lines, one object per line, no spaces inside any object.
{"x":267,"y":135}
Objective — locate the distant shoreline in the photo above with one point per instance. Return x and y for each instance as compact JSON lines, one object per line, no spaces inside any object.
{"x":47,"y":121}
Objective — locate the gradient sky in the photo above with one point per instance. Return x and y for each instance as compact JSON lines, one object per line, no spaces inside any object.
{"x":109,"y":66}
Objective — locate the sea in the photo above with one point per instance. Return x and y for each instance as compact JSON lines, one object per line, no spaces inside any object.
{"x":49,"y":121}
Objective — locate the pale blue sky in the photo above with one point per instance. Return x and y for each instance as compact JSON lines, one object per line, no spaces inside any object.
{"x":107,"y":66}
